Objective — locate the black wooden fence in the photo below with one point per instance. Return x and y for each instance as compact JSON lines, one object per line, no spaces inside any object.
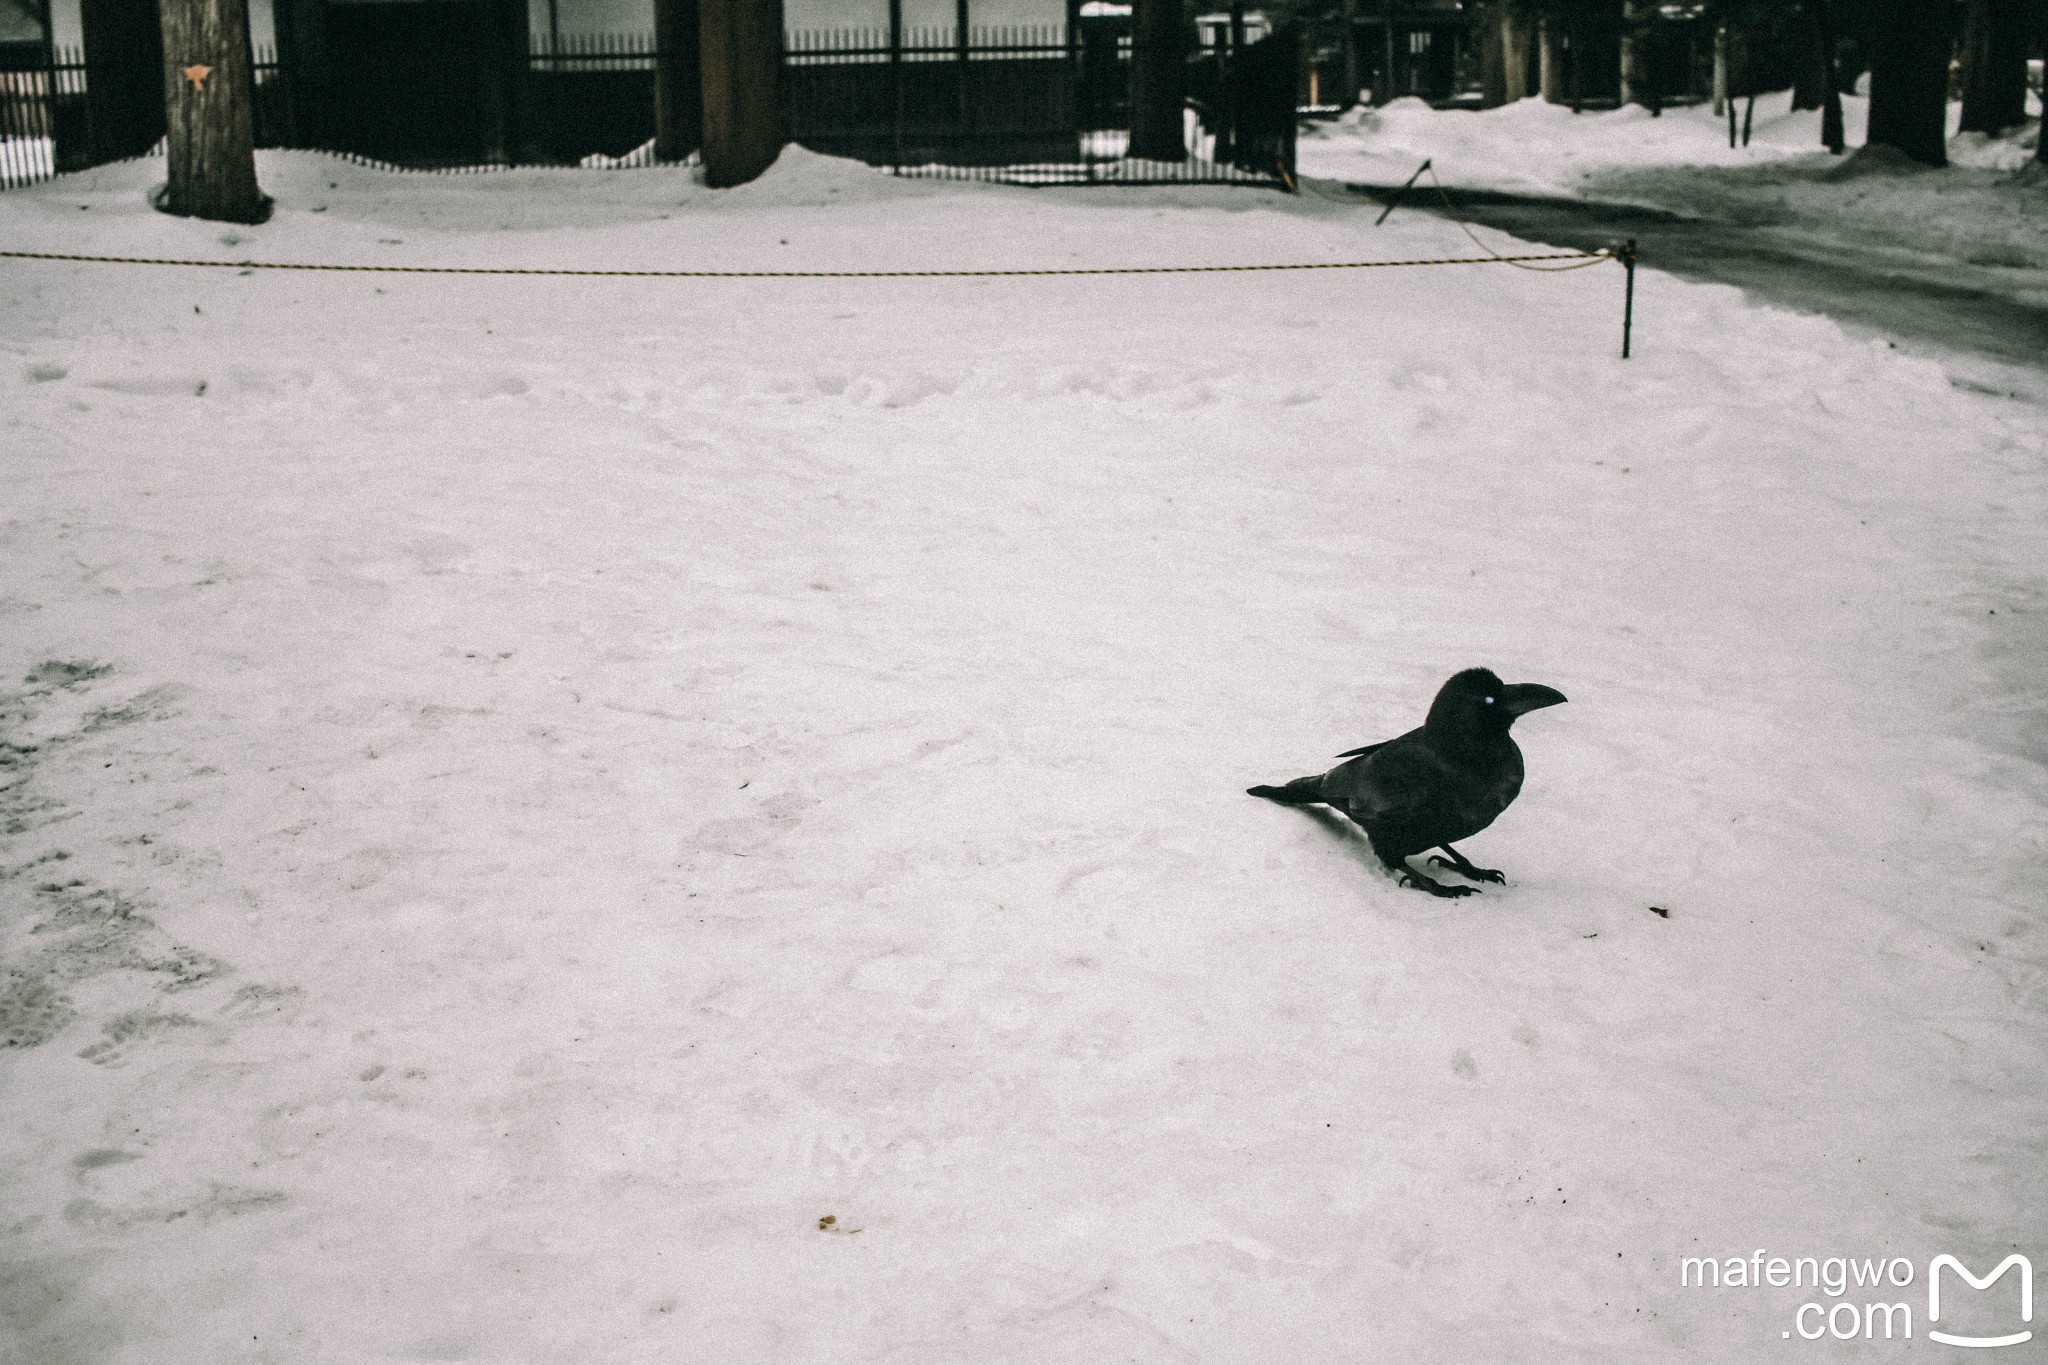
{"x":1024,"y":104}
{"x":410,"y":84}
{"x":51,"y":121}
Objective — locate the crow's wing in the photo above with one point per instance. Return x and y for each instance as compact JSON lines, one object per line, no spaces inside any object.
{"x":1401,"y":775}
{"x":1355,"y":753}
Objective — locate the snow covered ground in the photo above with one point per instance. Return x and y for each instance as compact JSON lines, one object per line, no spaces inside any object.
{"x":1970,"y":225}
{"x":576,"y":821}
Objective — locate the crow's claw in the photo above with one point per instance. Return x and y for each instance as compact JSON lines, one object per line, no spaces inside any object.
{"x":1435,"y":888}
{"x":1477,"y":874}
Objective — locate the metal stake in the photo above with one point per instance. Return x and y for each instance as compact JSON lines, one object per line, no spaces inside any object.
{"x":1391,"y":203}
{"x":1628,"y":306}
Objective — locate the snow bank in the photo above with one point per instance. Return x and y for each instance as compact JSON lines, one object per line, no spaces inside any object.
{"x":1539,"y":147}
{"x":1973,"y":226}
{"x":527,"y":795}
{"x":1536,"y":146}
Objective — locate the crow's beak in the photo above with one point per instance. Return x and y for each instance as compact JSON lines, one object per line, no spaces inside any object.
{"x":1519,"y":699}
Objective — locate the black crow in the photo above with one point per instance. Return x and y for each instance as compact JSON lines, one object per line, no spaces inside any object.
{"x":1435,"y":785}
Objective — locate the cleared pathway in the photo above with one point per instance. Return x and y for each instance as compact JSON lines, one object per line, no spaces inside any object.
{"x":1989,"y":340}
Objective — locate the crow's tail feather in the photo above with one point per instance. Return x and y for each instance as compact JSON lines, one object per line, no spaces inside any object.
{"x":1302,"y":791}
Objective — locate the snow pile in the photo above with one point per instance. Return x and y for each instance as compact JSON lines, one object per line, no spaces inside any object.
{"x":1538,"y":147}
{"x":524,"y":796}
{"x":2013,"y":150}
{"x":1973,"y":225}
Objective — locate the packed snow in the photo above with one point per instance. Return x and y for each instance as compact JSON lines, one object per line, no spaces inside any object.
{"x":568,"y":820}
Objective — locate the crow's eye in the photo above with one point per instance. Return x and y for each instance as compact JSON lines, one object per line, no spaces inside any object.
{"x":1489,"y":701}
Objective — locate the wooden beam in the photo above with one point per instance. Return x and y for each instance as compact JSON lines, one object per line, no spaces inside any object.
{"x":741,"y":51}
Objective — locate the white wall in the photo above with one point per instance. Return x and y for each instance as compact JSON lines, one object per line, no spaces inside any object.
{"x":595,"y":16}
{"x":65,"y":27}
{"x":67,"y":30}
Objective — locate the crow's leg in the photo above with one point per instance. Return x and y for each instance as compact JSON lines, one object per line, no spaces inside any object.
{"x":1302,"y":791}
{"x":1462,"y":865}
{"x":1408,"y":876}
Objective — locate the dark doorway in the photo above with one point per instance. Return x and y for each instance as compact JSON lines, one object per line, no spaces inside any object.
{"x":124,"y":82}
{"x":409,"y":81}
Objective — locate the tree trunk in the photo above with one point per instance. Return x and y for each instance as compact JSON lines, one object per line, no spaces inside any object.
{"x":1831,"y":135}
{"x":1517,"y":54}
{"x":208,"y":103}
{"x":1156,"y":95}
{"x":1550,"y":74}
{"x":678,"y":80}
{"x":1995,"y":66}
{"x":1909,"y":79}
{"x":741,"y":51}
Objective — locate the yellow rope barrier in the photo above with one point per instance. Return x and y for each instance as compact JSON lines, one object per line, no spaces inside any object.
{"x":1583,"y":258}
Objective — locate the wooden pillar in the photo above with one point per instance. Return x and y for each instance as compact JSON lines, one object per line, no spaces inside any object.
{"x":1156,"y":96}
{"x":209,"y":107}
{"x":896,"y":84}
{"x":1634,"y":51}
{"x":1350,"y":51}
{"x":1493,"y":76}
{"x":1574,"y":43}
{"x":1550,"y":56}
{"x":960,"y":46}
{"x":1517,"y":56}
{"x":1831,"y":133}
{"x":741,"y":50}
{"x":1385,"y":91}
{"x":1721,"y":95}
{"x":678,"y":80}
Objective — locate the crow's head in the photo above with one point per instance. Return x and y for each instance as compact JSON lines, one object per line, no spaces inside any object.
{"x":1476,"y":703}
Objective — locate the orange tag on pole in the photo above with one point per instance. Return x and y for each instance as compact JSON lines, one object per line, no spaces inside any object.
{"x":197,"y":74}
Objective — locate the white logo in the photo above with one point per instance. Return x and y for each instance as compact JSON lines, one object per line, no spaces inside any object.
{"x":1934,"y":1298}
